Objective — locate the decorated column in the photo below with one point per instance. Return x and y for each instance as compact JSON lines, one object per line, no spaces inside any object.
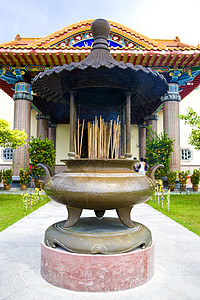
{"x":22,"y":119}
{"x":42,"y":125}
{"x":171,"y":122}
{"x":142,"y":140}
{"x":52,"y":133}
{"x":151,"y":120}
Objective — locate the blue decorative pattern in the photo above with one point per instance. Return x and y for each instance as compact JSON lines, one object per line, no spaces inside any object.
{"x":173,"y":88}
{"x":23,"y":87}
{"x":89,"y":43}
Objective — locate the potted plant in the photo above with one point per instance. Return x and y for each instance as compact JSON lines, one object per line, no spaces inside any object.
{"x":194,"y":178}
{"x":1,"y":176}
{"x":24,"y":178}
{"x":40,"y":151}
{"x":171,"y":179}
{"x":7,"y":178}
{"x":182,"y":178}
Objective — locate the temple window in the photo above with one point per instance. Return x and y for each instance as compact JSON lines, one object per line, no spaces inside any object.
{"x":8,"y":153}
{"x":186,"y":154}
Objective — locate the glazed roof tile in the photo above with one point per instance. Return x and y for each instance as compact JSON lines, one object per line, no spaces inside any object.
{"x":48,"y":41}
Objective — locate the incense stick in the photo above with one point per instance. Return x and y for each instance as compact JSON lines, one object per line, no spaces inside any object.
{"x":109,"y":139}
{"x":82,"y":136}
{"x":78,"y":138}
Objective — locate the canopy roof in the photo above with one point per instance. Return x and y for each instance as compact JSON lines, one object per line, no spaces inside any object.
{"x":101,"y":80}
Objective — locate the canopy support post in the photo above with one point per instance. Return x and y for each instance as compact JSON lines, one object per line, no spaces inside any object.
{"x":72,"y":120}
{"x":128,"y":122}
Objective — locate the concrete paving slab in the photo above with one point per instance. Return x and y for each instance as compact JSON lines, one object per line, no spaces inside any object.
{"x":17,"y":268}
{"x":174,"y":266}
{"x":194,"y":255}
{"x":177,"y":259}
{"x":185,"y":285}
{"x":11,"y":285}
{"x":2,"y":257}
{"x":165,"y":250}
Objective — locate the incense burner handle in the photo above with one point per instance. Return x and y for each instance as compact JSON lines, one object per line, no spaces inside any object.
{"x":152,"y":171}
{"x":49,"y":173}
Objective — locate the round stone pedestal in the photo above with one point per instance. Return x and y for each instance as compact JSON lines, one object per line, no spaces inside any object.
{"x":96,"y":272}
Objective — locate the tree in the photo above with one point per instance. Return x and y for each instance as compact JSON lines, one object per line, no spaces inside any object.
{"x":193,"y":120}
{"x":11,"y":138}
{"x":159,"y":148}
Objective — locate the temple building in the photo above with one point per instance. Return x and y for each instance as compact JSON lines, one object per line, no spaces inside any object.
{"x":24,"y":58}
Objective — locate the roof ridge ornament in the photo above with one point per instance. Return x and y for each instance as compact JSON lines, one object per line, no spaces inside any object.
{"x":100,"y":30}
{"x":100,"y":53}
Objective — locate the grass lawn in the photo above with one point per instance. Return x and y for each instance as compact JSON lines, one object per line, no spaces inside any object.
{"x":184,"y":209}
{"x":12,"y":209}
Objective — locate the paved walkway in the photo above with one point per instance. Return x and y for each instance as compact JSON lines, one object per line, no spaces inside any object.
{"x":177,"y":259}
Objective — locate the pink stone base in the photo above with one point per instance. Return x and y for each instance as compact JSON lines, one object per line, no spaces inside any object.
{"x":96,"y":273}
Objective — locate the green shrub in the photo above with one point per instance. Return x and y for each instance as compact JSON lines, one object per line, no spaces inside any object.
{"x":159,"y":148}
{"x":41,"y":151}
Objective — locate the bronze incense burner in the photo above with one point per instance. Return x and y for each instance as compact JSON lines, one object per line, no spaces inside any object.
{"x":99,"y":185}
{"x":100,"y":85}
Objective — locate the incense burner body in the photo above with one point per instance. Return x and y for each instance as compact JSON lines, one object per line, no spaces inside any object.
{"x":99,"y":184}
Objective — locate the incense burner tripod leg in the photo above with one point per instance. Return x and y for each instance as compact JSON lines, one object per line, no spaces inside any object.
{"x":124,"y":216}
{"x":73,"y":216}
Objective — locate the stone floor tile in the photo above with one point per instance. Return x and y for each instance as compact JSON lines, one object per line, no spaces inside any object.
{"x":23,"y":253}
{"x":2,"y":257}
{"x":11,"y":285}
{"x":155,"y":294}
{"x":33,"y":278}
{"x":6,"y":245}
{"x":194,"y":255}
{"x":11,"y":267}
{"x":178,"y":266}
{"x":183,"y":237}
{"x":20,"y":231}
{"x":169,"y":250}
{"x":48,"y":293}
{"x":190,"y":245}
{"x":185,"y":285}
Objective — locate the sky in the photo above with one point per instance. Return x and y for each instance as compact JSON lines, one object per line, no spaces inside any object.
{"x":152,"y":18}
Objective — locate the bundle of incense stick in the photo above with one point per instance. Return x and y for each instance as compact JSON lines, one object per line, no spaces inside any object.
{"x":78,"y":140}
{"x":103,"y":139}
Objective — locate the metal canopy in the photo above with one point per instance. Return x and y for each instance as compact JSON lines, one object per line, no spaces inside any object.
{"x":99,"y":80}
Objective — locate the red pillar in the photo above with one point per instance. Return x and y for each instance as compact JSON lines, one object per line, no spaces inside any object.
{"x":52,"y":133}
{"x":171,"y":122}
{"x":42,"y":125}
{"x":142,"y":140}
{"x":151,"y":120}
{"x":22,"y":119}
